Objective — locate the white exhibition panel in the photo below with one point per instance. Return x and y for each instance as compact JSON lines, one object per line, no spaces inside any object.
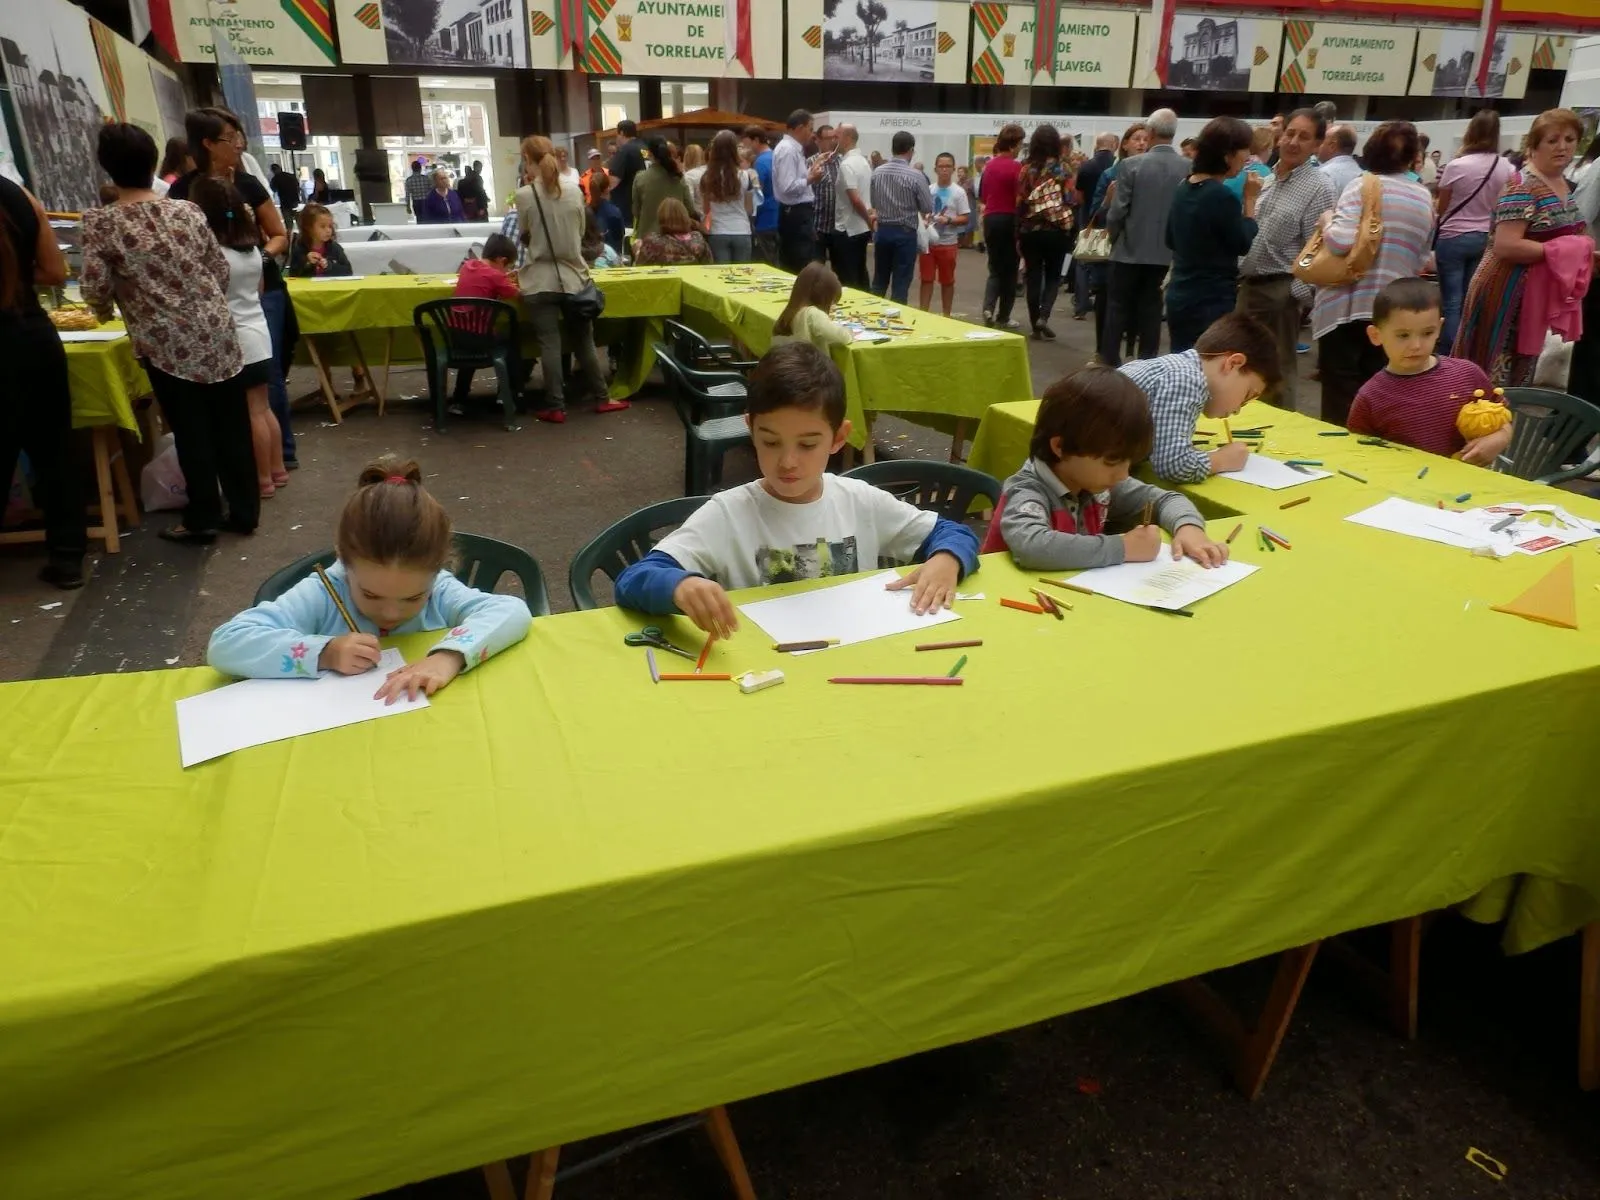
{"x":436,"y":256}
{"x":419,"y":233}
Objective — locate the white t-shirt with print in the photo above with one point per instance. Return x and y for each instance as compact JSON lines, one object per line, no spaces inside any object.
{"x":952,"y":201}
{"x":746,"y":538}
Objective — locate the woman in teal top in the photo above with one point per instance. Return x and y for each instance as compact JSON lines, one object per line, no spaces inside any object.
{"x":1208,"y":230}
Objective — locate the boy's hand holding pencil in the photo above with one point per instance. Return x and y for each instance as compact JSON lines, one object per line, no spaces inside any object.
{"x":1229,"y":457}
{"x":705,"y":603}
{"x":1141,"y":543}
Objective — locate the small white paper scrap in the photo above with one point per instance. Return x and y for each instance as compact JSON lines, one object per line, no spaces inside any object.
{"x":852,"y":612}
{"x":254,"y":712}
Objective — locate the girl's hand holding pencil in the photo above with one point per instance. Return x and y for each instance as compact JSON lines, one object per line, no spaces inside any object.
{"x":350,"y":654}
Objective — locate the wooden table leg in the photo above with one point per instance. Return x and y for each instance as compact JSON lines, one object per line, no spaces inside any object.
{"x":362,"y":386}
{"x":1251,"y":1049}
{"x":1589,"y":1010}
{"x":388,"y":358}
{"x":128,"y":500}
{"x":101,"y":437}
{"x":869,"y":452}
{"x":958,"y":441}
{"x":323,"y":379}
{"x":497,"y":1178}
{"x":1393,"y":991}
{"x":542,"y":1174}
{"x":720,"y":1130}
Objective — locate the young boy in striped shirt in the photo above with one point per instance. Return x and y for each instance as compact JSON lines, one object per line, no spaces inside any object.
{"x":1416,"y":398}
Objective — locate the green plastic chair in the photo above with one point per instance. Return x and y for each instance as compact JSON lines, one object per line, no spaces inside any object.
{"x":948,"y":489}
{"x":621,"y":545}
{"x":480,"y":562}
{"x":473,"y":334}
{"x":1550,"y":429}
{"x":694,"y":349}
{"x":711,"y":406}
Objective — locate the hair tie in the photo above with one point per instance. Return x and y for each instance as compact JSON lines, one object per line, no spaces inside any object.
{"x":230,"y":214}
{"x":397,"y":479}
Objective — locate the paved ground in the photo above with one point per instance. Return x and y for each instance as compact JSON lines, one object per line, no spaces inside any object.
{"x":1122,"y":1101}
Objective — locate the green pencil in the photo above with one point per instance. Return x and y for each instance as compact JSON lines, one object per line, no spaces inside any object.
{"x":956,"y":670}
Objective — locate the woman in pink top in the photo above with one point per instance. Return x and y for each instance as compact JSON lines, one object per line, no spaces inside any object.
{"x":997,"y":199}
{"x":1468,"y":188}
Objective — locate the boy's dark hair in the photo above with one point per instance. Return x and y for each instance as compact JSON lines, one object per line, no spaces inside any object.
{"x":1406,"y":295}
{"x":127,"y":154}
{"x":1098,"y":412}
{"x":498,"y":245}
{"x":797,"y":375}
{"x":902,"y":143}
{"x":1236,"y":333}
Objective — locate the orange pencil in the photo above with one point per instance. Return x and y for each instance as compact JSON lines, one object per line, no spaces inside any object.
{"x":695,"y":678}
{"x":1019,"y":605}
{"x":704,"y":651}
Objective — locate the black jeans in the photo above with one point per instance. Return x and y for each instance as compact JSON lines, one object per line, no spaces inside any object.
{"x":1000,"y":243}
{"x":210,"y":425}
{"x":797,"y":236}
{"x":1133,"y":305}
{"x":1192,"y":312}
{"x":36,"y":417}
{"x":1045,"y":252}
{"x":1346,"y":359}
{"x":850,"y":258}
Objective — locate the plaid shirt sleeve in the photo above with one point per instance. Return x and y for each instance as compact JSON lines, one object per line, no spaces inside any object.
{"x":1177,"y":397}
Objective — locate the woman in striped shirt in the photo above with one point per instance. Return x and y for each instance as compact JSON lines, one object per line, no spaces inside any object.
{"x":1346,"y":357}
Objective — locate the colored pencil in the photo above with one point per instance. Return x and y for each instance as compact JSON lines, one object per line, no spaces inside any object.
{"x":791,"y":647}
{"x":1171,"y":612}
{"x":1251,"y":429}
{"x":1049,"y":604}
{"x":930,"y":680}
{"x":1292,"y":503}
{"x":650,"y":660}
{"x":1228,"y":433}
{"x":950,"y":645}
{"x":1499,"y":525}
{"x":1422,"y":473}
{"x":696,"y":678}
{"x":337,"y":603}
{"x":705,"y":650}
{"x":1464,"y":497}
{"x":1149,"y":511}
{"x":1351,"y":475}
{"x":1335,"y":433}
{"x":1303,"y":462}
{"x":956,"y":670}
{"x":1235,"y":533}
{"x":1022,"y":606}
{"x":1274,"y":536}
{"x":1071,"y":587}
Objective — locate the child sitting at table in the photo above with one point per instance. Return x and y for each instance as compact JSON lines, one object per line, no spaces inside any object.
{"x":1232,"y":363}
{"x":1416,"y":399}
{"x":316,"y":251}
{"x":393,"y":541}
{"x":796,"y":521}
{"x":1073,"y":504}
{"x":492,"y":277}
{"x":808,"y":317}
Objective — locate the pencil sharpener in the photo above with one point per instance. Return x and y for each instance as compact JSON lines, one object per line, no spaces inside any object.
{"x":756,"y":681}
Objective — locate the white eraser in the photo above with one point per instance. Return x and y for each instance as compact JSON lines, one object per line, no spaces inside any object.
{"x":755,"y":681}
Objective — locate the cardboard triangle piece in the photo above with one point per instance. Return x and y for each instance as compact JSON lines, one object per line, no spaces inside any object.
{"x":1552,"y":600}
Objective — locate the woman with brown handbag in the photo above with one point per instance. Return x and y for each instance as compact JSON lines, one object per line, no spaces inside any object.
{"x":1346,"y":357}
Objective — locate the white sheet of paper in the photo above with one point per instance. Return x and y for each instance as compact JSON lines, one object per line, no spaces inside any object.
{"x":983,"y":335}
{"x":1161,"y":582}
{"x":1271,"y":473}
{"x":92,"y":335}
{"x":1473,"y":529}
{"x":330,"y":278}
{"x":254,"y":712}
{"x":852,"y":612}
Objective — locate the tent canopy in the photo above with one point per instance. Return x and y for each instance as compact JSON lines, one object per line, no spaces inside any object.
{"x":700,"y":119}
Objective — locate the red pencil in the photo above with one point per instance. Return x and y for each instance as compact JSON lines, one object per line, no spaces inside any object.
{"x":695,"y":678}
{"x":1022,"y":606}
{"x":930,"y":680}
{"x":704,"y":651}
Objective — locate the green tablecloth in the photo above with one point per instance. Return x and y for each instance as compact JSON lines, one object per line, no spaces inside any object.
{"x":935,"y":375}
{"x":563,"y":900}
{"x":105,"y":380}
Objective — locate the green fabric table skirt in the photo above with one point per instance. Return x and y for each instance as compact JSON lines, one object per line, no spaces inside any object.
{"x":105,"y":380}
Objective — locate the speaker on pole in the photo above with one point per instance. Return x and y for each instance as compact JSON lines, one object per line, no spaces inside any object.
{"x":292,"y":130}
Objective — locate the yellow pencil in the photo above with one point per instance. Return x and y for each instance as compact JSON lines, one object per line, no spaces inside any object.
{"x":1228,"y":433}
{"x":337,"y":603}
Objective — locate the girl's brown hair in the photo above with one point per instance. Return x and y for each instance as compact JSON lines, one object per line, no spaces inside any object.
{"x":721,"y":181}
{"x":230,"y":218}
{"x":673,"y":217}
{"x":1483,"y":133}
{"x":815,"y":287}
{"x":306,"y":222}
{"x":1098,"y":412}
{"x":1009,"y":137}
{"x":392,"y":520}
{"x":540,"y":152}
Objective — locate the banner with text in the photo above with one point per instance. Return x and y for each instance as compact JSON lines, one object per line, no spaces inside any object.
{"x":1547,"y":14}
{"x":894,"y":41}
{"x":690,"y":38}
{"x":1447,"y":64}
{"x":1094,"y":46}
{"x":264,"y":33}
{"x":1215,"y":54}
{"x":1350,"y":60}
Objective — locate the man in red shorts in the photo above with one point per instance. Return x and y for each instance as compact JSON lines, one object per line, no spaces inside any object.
{"x":952,"y":216}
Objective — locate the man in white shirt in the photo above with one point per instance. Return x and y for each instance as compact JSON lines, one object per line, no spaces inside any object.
{"x":791,"y":188}
{"x":1337,"y":156}
{"x":852,"y":207}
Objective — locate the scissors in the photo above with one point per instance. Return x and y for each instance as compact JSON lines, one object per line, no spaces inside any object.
{"x":651,"y":635}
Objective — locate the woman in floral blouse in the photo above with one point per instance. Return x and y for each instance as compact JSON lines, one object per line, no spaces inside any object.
{"x":676,"y":241}
{"x":159,"y":262}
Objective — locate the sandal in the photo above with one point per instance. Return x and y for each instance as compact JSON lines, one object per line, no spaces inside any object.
{"x":188,"y":537}
{"x":280,"y":479}
{"x":611,"y":406}
{"x":267,"y":491}
{"x":556,"y":416}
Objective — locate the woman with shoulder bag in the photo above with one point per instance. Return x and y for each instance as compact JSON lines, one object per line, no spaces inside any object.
{"x":1469,"y":188}
{"x":1043,"y":222}
{"x":1346,"y":357}
{"x":557,"y":288}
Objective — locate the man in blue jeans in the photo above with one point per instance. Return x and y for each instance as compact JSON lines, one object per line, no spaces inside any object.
{"x":900,"y":199}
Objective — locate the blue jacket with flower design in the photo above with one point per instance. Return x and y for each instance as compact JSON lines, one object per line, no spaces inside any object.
{"x":283,"y":638}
